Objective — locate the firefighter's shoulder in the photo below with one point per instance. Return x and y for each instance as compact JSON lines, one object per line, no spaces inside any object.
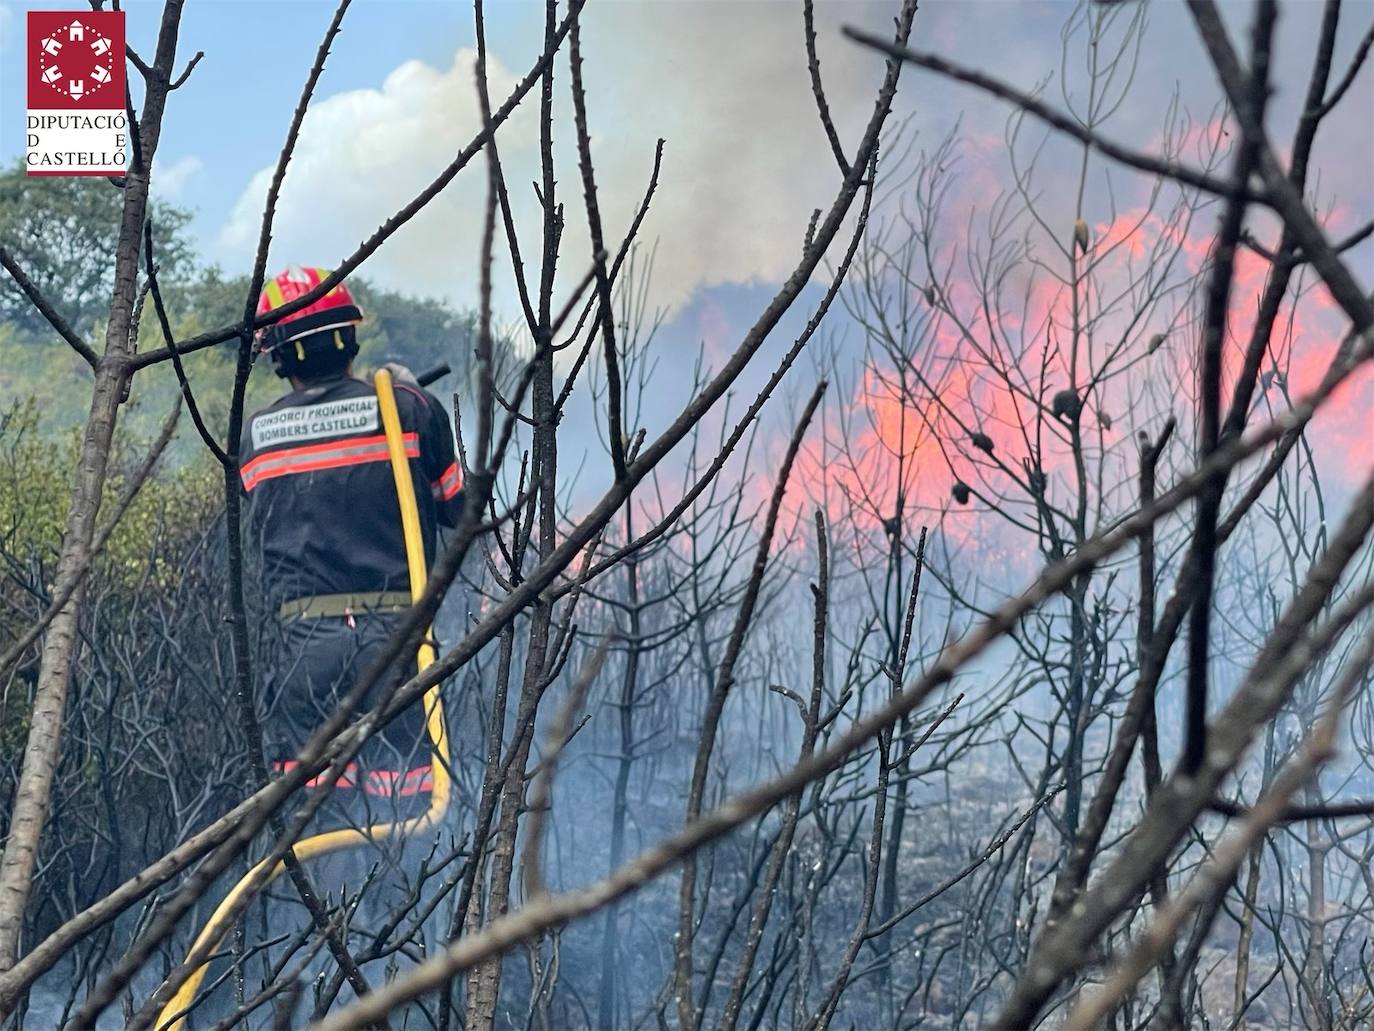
{"x":416,"y":399}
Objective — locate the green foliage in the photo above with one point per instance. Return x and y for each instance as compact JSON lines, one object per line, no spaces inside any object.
{"x":174,"y":508}
{"x":33,"y":474}
{"x":416,"y":331}
{"x":51,"y":377}
{"x":62,"y":231}
{"x":198,"y":305}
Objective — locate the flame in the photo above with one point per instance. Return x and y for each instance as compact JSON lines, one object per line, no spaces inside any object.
{"x":906,"y":445}
{"x":897,"y":437}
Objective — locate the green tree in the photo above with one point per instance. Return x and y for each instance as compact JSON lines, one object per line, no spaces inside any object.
{"x":418,"y":332}
{"x":62,"y":231}
{"x":199,"y":304}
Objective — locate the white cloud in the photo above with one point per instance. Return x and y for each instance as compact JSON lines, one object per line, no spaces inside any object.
{"x":361,"y":155}
{"x":726,"y":85}
{"x":170,"y":178}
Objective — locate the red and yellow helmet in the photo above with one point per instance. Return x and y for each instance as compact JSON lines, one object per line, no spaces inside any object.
{"x":334,"y":310}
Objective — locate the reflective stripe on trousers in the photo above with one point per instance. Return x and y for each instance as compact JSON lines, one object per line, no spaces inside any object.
{"x":384,"y":783}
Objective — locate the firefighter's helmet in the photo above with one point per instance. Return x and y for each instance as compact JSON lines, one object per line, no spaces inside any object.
{"x":326,"y":324}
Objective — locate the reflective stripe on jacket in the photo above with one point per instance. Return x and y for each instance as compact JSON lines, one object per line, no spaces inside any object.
{"x":321,"y":498}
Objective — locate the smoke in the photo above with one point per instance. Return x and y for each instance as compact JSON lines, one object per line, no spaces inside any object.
{"x":725,"y":85}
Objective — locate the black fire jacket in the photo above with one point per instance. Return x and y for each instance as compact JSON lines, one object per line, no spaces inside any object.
{"x":322,"y":501}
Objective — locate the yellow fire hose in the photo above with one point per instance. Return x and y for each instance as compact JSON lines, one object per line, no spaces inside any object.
{"x":338,"y":840}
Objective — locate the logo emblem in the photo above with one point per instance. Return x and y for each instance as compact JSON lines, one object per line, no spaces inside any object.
{"x":77,"y":122}
{"x":76,"y":59}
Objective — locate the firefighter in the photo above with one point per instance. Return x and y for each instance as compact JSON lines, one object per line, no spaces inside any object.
{"x":323,"y":513}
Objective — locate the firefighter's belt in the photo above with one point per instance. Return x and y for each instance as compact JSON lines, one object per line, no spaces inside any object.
{"x":325,"y":606}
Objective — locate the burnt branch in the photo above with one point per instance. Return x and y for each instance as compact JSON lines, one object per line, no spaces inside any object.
{"x":35,"y":296}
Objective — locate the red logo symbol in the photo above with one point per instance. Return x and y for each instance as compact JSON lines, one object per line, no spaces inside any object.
{"x":76,"y":59}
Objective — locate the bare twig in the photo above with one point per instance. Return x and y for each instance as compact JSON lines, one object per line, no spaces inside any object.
{"x":992,"y":849}
{"x":1042,"y":111}
{"x":1283,"y":658}
{"x":31,"y":801}
{"x":500,"y":934}
{"x":603,"y":282}
{"x":1214,"y":333}
{"x":165,"y":324}
{"x":541,"y":793}
{"x":724,"y":681}
{"x":36,"y":298}
{"x":782,"y":844}
{"x":1220,"y":870}
{"x":330,"y":741}
{"x":813,"y":67}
